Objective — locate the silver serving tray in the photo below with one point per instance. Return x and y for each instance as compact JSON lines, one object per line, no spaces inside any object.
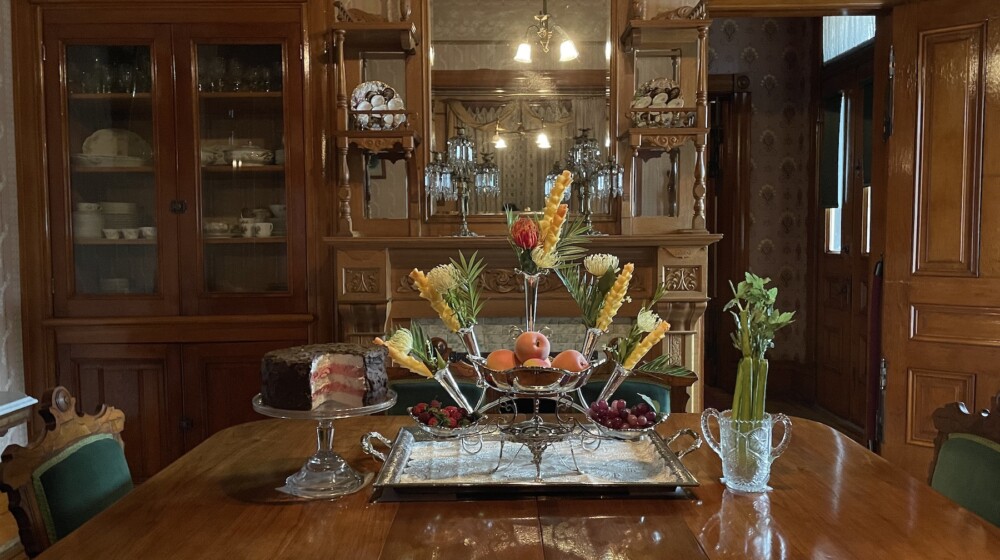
{"x":419,"y":466}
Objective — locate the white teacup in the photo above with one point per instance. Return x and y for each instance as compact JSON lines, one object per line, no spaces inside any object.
{"x":130,"y":233}
{"x":112,"y":233}
{"x":279,"y":210}
{"x":263,"y":229}
{"x":88,"y":207}
{"x":246,"y":228}
{"x":148,"y":232}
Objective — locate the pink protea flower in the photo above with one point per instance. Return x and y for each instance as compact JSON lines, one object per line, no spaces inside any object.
{"x":524,"y":232}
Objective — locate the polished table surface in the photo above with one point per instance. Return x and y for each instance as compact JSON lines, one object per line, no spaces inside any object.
{"x":832,"y":499}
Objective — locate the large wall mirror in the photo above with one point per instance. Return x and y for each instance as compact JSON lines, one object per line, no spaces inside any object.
{"x":492,"y":77}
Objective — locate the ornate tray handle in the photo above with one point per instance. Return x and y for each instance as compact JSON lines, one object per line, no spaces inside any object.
{"x":368,"y":447}
{"x":685,"y":432}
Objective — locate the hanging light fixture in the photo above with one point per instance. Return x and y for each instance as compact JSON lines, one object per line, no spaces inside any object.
{"x":543,"y":32}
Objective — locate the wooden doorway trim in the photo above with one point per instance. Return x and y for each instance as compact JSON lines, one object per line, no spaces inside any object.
{"x":729,"y":164}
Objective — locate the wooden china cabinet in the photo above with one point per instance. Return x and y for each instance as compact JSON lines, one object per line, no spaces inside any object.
{"x":166,"y":128}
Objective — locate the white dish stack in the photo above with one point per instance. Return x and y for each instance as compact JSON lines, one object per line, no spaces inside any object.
{"x":120,"y":215}
{"x":87,"y":224}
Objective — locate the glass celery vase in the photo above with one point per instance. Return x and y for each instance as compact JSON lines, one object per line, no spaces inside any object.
{"x":745,"y":448}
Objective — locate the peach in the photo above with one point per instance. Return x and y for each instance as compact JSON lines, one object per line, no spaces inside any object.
{"x":536,"y":362}
{"x":570,"y":360}
{"x":531,"y":344}
{"x":501,"y":360}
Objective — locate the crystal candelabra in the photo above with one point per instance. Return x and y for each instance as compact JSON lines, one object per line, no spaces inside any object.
{"x":592,"y":176}
{"x":451,"y":176}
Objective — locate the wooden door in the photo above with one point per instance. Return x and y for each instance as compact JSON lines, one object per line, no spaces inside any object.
{"x":942,"y":273}
{"x":220,"y":380}
{"x":843,"y":263}
{"x":142,"y":380}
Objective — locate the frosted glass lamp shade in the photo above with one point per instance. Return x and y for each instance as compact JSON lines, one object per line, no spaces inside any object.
{"x":543,"y":141}
{"x":523,"y":53}
{"x":567,"y":51}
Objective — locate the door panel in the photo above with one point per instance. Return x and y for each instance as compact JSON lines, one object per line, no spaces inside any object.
{"x":949,"y":139}
{"x":220,"y":380}
{"x":138,"y":380}
{"x":942,"y":303}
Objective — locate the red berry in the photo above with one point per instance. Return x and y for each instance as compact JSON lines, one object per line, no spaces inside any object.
{"x":452,"y":422}
{"x":420,"y":407}
{"x":432,"y":422}
{"x":651,"y":417}
{"x":641,"y":408}
{"x":435,"y":404}
{"x":641,"y":421}
{"x":424,"y":416}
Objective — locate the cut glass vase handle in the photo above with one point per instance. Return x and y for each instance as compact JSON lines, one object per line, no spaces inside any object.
{"x":707,"y":433}
{"x":785,"y":437}
{"x":368,"y":447}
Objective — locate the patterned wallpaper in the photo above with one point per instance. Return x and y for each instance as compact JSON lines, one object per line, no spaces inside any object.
{"x":11,"y":362}
{"x":776,"y":54}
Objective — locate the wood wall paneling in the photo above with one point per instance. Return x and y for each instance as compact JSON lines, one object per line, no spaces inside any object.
{"x":142,"y":381}
{"x":949,"y":144}
{"x":928,"y":389}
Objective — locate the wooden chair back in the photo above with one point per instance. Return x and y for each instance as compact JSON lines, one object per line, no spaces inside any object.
{"x":63,"y":427}
{"x":966,"y":466}
{"x":955,"y":418}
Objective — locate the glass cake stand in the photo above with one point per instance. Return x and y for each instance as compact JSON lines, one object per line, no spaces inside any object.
{"x":326,"y":474}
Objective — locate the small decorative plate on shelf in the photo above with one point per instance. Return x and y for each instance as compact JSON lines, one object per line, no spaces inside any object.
{"x":651,"y":101}
{"x":376,"y":106}
{"x":117,"y":142}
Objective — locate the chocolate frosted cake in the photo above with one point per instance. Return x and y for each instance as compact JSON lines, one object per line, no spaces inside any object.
{"x":304,"y":377}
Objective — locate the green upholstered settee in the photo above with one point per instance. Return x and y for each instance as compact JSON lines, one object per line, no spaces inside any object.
{"x":75,"y":470}
{"x":966,"y":466}
{"x":412,"y":391}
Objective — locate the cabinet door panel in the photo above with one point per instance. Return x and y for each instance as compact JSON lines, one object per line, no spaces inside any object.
{"x":143,"y":381}
{"x":240,"y":113}
{"x":110,"y":126}
{"x":219,"y":382}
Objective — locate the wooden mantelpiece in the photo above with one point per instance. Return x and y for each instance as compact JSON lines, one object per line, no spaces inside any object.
{"x":372,"y":289}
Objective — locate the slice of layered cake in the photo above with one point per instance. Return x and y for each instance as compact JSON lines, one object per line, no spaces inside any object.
{"x":304,"y":377}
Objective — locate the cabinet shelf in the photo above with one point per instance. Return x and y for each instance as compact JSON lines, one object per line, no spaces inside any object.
{"x":380,"y":141}
{"x":140,"y":169}
{"x":240,"y":95}
{"x":114,"y":242}
{"x":221,"y":169}
{"x":382,"y":35}
{"x":273,"y":240}
{"x":146,"y":96}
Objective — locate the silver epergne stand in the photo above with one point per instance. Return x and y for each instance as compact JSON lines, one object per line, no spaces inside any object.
{"x":326,"y":474}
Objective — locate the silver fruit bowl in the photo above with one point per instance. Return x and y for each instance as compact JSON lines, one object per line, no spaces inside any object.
{"x":533,"y":382}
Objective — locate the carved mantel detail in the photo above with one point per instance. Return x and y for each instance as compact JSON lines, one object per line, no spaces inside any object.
{"x":361,"y":280}
{"x":682,"y":278}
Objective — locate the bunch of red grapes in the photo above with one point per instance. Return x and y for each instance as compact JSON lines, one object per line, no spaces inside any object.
{"x":618,"y":416}
{"x":436,"y":416}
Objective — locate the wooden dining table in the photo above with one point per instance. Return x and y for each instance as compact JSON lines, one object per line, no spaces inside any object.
{"x":831,"y":498}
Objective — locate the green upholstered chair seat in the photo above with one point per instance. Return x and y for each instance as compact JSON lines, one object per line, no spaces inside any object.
{"x":412,"y":391}
{"x":79,"y":482}
{"x":968,"y":472}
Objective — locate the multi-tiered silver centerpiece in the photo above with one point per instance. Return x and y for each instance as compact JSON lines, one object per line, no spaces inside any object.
{"x":513,"y":385}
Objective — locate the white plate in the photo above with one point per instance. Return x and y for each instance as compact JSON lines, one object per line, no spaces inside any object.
{"x":117,"y":142}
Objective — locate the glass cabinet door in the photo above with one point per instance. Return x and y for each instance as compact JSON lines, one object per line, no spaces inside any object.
{"x":111,"y":171}
{"x":244,"y":211}
{"x":248,"y":164}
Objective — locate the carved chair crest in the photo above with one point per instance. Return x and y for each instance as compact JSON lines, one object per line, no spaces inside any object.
{"x":955,"y":418}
